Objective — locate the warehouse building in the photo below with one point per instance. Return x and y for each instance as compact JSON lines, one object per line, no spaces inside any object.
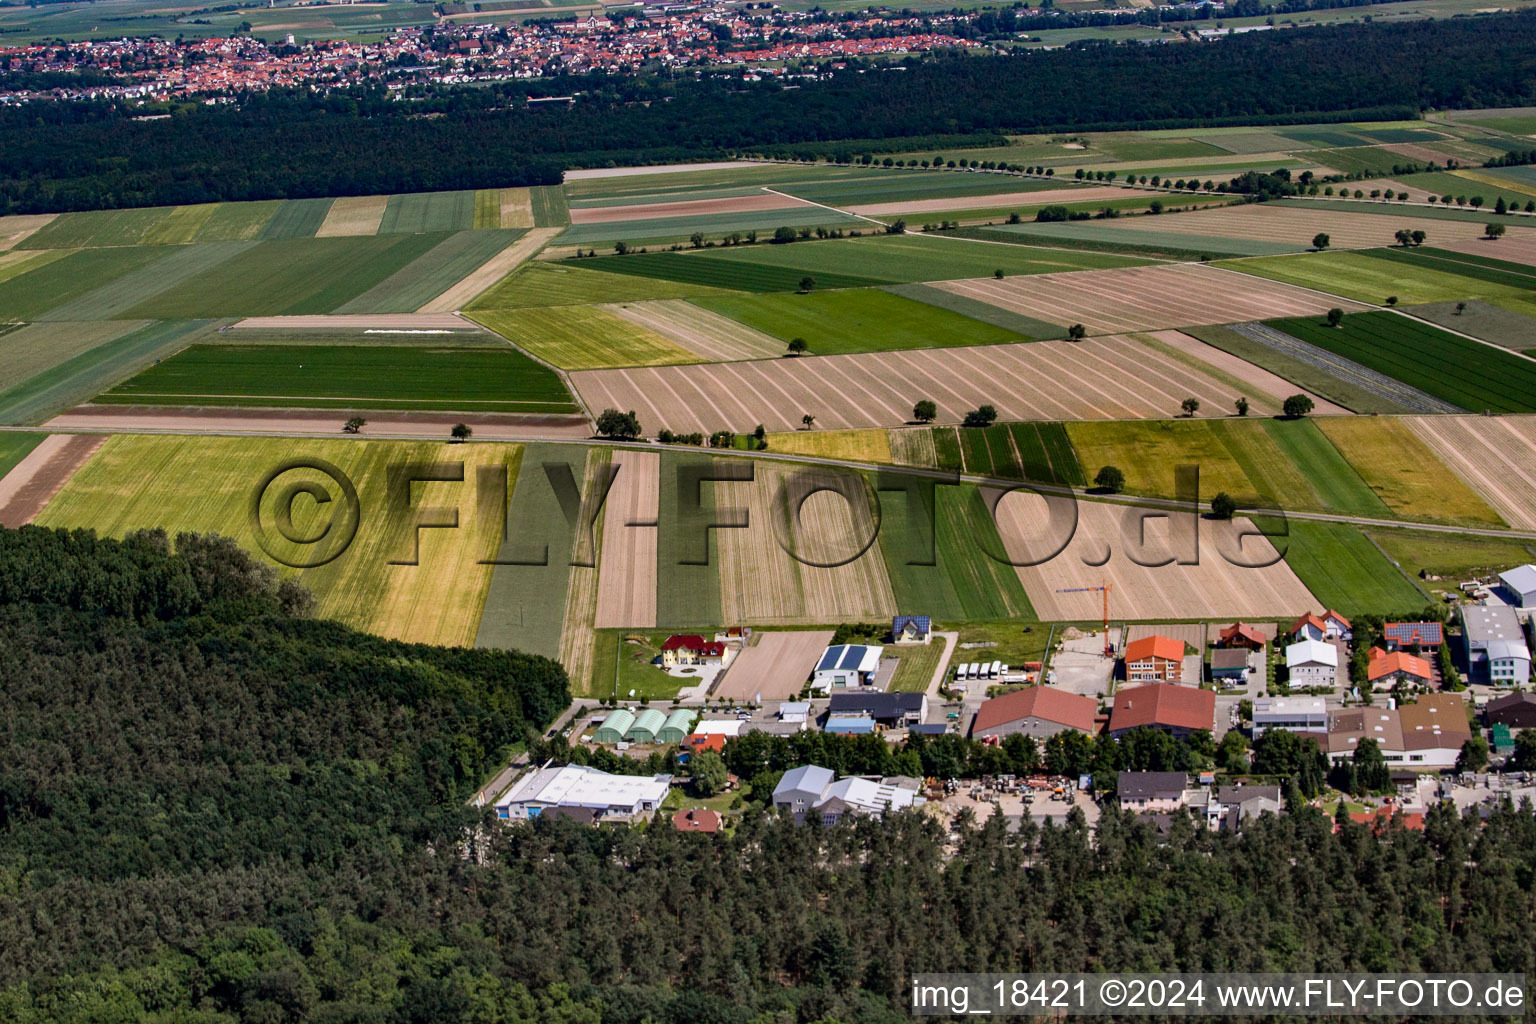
{"x":579,"y":788}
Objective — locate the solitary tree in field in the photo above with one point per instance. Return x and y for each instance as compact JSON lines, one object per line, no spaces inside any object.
{"x":1296,"y":407}
{"x":1190,"y":406}
{"x":807,"y":283}
{"x":1335,"y":316}
{"x":1077,"y":332}
{"x":797,"y":346}
{"x":982,"y":416}
{"x":354,"y":425}
{"x":998,"y":273}
{"x":460,"y":432}
{"x":1418,"y":237}
{"x":1494,"y":231}
{"x":1461,"y":307}
{"x":1391,"y":300}
{"x":1321,"y":241}
{"x":808,"y":421}
{"x":1110,"y":479}
{"x":1501,"y":207}
{"x":623,"y":425}
{"x":925,"y":411}
{"x":1241,"y":405}
{"x":760,"y":435}
{"x":1222,"y":506}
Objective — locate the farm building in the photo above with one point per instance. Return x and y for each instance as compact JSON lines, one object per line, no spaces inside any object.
{"x":1520,"y":584}
{"x":1154,"y":659}
{"x":647,"y":724}
{"x":690,"y":649}
{"x":1328,"y":626}
{"x":1496,"y":648}
{"x":614,"y":726}
{"x":887,"y":709}
{"x":1513,"y":710}
{"x":1387,"y":670}
{"x":1179,"y":710}
{"x":1312,"y":663}
{"x":812,"y":790}
{"x":846,"y":665}
{"x":849,"y":725}
{"x":1039,"y":711}
{"x":1241,"y":634}
{"x":1151,"y":792}
{"x":572,"y":786}
{"x":910,"y":629}
{"x":1405,"y":636}
{"x":676,"y":727}
{"x":1229,"y":665}
{"x":1296,"y":714}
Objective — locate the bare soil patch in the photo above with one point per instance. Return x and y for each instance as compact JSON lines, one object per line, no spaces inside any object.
{"x":626,"y":586}
{"x":33,"y":481}
{"x":776,"y":667}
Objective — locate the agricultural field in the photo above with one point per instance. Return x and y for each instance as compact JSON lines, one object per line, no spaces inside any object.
{"x":204,"y":485}
{"x":1040,"y":380}
{"x":696,"y":267}
{"x":1495,"y":456}
{"x":435,"y":272}
{"x":1146,"y":234}
{"x":871,"y":445}
{"x":45,"y":285}
{"x":626,"y":586}
{"x":1484,"y":321}
{"x":1404,"y":471}
{"x":353,"y":215}
{"x":1369,"y":278}
{"x":45,"y":464}
{"x":722,"y":209}
{"x":1344,"y":569}
{"x":856,"y":320}
{"x":1143,"y":298}
{"x":347,"y":377}
{"x":1034,"y":193}
{"x":708,"y":335}
{"x":1040,"y":452}
{"x":572,"y":283}
{"x":1454,"y":369}
{"x":771,"y":664}
{"x":14,"y":447}
{"x":1245,"y":377}
{"x":31,"y":349}
{"x":1452,"y":556}
{"x":583,"y":337}
{"x":1233,"y":573}
{"x":417,"y":212}
{"x":975,"y":309}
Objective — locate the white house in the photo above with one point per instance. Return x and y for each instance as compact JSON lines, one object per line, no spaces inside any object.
{"x":1297,"y":714}
{"x":1312,"y":663}
{"x":1520,"y":583}
{"x":846,"y":665}
{"x":577,"y":787}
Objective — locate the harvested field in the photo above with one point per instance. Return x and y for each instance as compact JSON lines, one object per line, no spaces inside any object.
{"x":1191,"y":633}
{"x":872,"y":445}
{"x":776,"y":667}
{"x":422,"y":322}
{"x":761,"y":582}
{"x":626,"y":585}
{"x":709,"y":335}
{"x":1263,"y":222}
{"x":462,"y":293}
{"x":301,"y":422}
{"x":353,"y":215}
{"x":1496,"y":456}
{"x":1145,"y":298}
{"x":1037,"y":197}
{"x":516,"y":208}
{"x":1103,"y":378}
{"x":1382,"y":393}
{"x":14,"y":229}
{"x":1213,"y":588}
{"x":1272,"y":386}
{"x":582,"y":337}
{"x":33,"y":482}
{"x":913,"y":447}
{"x":1515,"y":248}
{"x":1404,"y":472}
{"x":688,"y":208}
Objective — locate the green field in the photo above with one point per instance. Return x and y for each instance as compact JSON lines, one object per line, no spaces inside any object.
{"x":1443,"y":183}
{"x":1036,"y":451}
{"x":1145,"y":234}
{"x":955,"y":579}
{"x":1451,"y":555}
{"x":550,"y":209}
{"x":1360,"y":160}
{"x":286,"y":277}
{"x":1334,"y":483}
{"x":297,"y":218}
{"x":1319,"y":382}
{"x":687,"y":593}
{"x":858,"y":320}
{"x":662,"y":233}
{"x":1483,"y":320}
{"x":739,"y":275}
{"x":576,"y":282}
{"x":1479,"y":268}
{"x":902,"y":185}
{"x":205,"y":484}
{"x":902,"y":259}
{"x":44,"y":286}
{"x":439,"y":269}
{"x":1368,"y":278}
{"x":1148,"y":452}
{"x":348,"y":377}
{"x":583,"y":338}
{"x":232,"y":222}
{"x":14,"y":448}
{"x":1344,"y":570}
{"x":173,"y":265}
{"x":975,"y":309}
{"x":94,"y":228}
{"x":1466,"y":373}
{"x":416,"y":212}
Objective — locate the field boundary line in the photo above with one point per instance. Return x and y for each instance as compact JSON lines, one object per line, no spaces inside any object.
{"x":1451,"y":330}
{"x":1428,"y":597}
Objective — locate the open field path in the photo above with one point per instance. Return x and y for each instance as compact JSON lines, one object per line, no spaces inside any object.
{"x":33,"y":481}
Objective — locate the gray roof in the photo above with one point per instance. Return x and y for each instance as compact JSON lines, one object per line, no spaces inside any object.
{"x":1242,"y":794}
{"x":877,"y":704}
{"x":808,"y":778}
{"x":1151,"y":785}
{"x":1229,"y":657}
{"x":1487,"y":625}
{"x":1521,"y":579}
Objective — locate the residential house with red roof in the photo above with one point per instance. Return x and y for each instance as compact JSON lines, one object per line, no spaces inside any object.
{"x":691,"y":649}
{"x":1328,"y":626}
{"x":1242,"y":634}
{"x":1386,"y":670}
{"x":1154,"y":659}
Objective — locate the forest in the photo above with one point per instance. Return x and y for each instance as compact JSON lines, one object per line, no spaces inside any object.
{"x":293,"y":144}
{"x":215,"y":809}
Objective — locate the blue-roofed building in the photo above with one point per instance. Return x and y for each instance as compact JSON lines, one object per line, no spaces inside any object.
{"x":1404,"y":636}
{"x":850,"y":725}
{"x":910,"y":629}
{"x":846,"y":665}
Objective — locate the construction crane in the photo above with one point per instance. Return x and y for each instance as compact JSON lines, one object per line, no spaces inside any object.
{"x":1104,"y":588}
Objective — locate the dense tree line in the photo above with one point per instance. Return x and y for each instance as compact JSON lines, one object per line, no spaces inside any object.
{"x":297,"y":144}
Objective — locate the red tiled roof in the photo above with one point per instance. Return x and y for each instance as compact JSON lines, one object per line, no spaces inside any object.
{"x":1163,"y":647}
{"x":692,"y":642}
{"x":1242,"y":629}
{"x":696,"y":820}
{"x":1382,"y":816}
{"x":708,"y":741}
{"x":1043,"y":702}
{"x":1383,"y":664}
{"x":1165,"y":704}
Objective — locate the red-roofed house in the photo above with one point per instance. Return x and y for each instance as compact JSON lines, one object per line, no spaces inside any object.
{"x":1328,"y":626}
{"x":1039,"y":711}
{"x":1154,"y":659}
{"x":1179,"y":710}
{"x":690,"y":649}
{"x":1387,"y":670}
{"x":707,"y":741}
{"x":697,"y":819}
{"x":1382,"y":818}
{"x":1240,"y":634}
